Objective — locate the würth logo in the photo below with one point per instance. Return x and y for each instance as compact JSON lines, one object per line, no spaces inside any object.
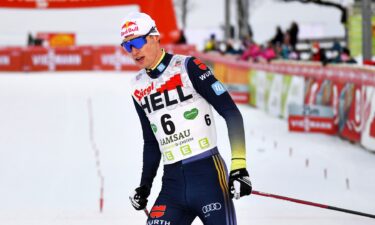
{"x":201,"y":65}
{"x":158,"y":211}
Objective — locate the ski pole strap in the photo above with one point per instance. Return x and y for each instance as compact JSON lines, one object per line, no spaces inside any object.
{"x":299,"y":201}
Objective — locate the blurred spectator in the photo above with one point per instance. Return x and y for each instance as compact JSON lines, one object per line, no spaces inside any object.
{"x":222,"y":47}
{"x":182,"y":38}
{"x":336,"y":52}
{"x":252,"y":52}
{"x":294,"y":55}
{"x":278,"y":39}
{"x":285,"y":51}
{"x":246,"y":41}
{"x":233,"y":47}
{"x":346,"y":56}
{"x":31,"y":41}
{"x":268,"y":53}
{"x":318,"y":54}
{"x":211,"y":44}
{"x":315,"y":52}
{"x":293,"y":32}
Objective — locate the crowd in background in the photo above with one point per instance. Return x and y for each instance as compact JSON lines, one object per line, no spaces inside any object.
{"x":283,"y":45}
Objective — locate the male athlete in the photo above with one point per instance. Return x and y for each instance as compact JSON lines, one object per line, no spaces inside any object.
{"x":173,"y":95}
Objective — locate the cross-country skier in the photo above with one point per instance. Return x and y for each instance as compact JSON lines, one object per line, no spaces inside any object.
{"x":173,"y":95}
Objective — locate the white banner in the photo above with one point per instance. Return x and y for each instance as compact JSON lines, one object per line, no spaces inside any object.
{"x":368,"y":134}
{"x":274,"y":100}
{"x":296,"y":93}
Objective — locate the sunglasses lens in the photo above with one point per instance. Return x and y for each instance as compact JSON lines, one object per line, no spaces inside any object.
{"x":136,"y":43}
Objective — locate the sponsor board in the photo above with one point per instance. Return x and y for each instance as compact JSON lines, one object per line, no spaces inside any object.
{"x":252,"y":87}
{"x":311,"y":118}
{"x":275,"y":94}
{"x":220,"y":71}
{"x":294,"y":93}
{"x":238,"y":92}
{"x":261,"y":84}
{"x":57,"y":39}
{"x":76,"y":58}
{"x":368,"y":133}
{"x":351,"y":106}
{"x":10,"y":59}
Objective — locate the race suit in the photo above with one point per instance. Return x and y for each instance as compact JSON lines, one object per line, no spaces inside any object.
{"x":173,"y":102}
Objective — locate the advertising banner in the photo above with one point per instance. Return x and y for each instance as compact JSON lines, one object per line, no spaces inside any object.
{"x":10,"y":59}
{"x":311,"y":118}
{"x":368,"y":133}
{"x":220,"y":71}
{"x":350,"y":109}
{"x":311,"y":92}
{"x":161,"y":11}
{"x":58,"y":59}
{"x":238,"y":92}
{"x":112,"y":58}
{"x":237,"y":84}
{"x":293,"y":93}
{"x":252,"y":87}
{"x":261,"y":92}
{"x":57,"y":39}
{"x":274,"y":100}
{"x":37,"y":59}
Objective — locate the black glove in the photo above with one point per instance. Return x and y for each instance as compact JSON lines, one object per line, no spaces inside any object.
{"x":239,"y":183}
{"x":139,"y":198}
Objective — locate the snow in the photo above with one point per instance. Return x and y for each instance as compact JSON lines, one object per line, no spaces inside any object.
{"x":48,"y":171}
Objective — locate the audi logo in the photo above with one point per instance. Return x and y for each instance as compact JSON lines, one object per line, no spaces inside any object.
{"x":211,"y":207}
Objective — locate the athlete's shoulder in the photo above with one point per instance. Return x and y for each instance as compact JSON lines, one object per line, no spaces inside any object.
{"x":195,"y":64}
{"x":137,"y":77}
{"x":198,"y":71}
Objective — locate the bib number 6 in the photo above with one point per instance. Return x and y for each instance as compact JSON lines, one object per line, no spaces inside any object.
{"x":167,"y":124}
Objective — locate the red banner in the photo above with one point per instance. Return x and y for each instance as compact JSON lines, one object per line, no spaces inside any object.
{"x":372,"y":128}
{"x":161,"y":11}
{"x":10,"y":59}
{"x":240,"y":97}
{"x":312,"y":124}
{"x":57,"y":39}
{"x":62,"y":59}
{"x":354,"y":123}
{"x":112,"y":58}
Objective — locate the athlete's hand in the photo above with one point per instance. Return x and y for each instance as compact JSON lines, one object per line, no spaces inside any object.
{"x":239,"y":183}
{"x":139,"y":198}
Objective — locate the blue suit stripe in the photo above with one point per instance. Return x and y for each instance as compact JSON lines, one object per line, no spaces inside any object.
{"x":224,"y":186}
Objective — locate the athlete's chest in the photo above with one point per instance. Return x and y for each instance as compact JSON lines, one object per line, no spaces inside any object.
{"x":171,"y":89}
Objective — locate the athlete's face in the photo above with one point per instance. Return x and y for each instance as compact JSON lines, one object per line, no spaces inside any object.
{"x":148,"y":55}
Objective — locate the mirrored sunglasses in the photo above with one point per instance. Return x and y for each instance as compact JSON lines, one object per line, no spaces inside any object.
{"x":137,"y":43}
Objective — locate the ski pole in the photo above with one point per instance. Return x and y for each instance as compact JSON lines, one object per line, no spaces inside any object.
{"x":146,"y":212}
{"x":312,"y":204}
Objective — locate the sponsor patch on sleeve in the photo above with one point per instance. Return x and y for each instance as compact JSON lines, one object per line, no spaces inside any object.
{"x":218,"y":88}
{"x":200,"y":64}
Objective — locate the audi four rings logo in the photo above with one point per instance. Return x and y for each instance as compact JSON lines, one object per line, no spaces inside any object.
{"x":211,"y":207}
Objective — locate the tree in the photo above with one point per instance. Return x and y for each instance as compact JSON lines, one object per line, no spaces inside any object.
{"x":342,"y":8}
{"x":183,"y":7}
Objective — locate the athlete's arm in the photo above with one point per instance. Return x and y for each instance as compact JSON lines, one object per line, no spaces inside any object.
{"x":214,"y":92}
{"x":151,"y":152}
